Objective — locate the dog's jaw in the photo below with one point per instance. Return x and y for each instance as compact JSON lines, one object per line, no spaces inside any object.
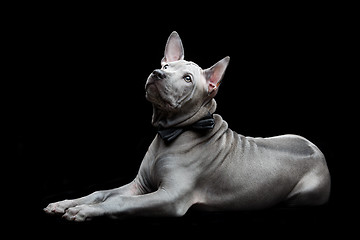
{"x":166,"y":119}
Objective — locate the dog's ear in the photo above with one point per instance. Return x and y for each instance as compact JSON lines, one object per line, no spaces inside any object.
{"x":174,"y":50}
{"x":215,"y":74}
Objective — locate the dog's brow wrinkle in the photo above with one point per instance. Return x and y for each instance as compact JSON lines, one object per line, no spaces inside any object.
{"x":191,"y":63}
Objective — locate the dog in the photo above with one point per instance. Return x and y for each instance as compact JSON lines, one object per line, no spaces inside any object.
{"x":197,"y":160}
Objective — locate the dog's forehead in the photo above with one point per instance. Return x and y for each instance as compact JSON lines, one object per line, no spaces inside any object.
{"x":185,"y":65}
{"x":192,"y":64}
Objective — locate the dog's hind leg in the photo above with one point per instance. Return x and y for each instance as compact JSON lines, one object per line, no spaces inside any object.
{"x":313,"y":188}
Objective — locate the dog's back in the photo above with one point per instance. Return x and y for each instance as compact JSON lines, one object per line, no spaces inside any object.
{"x":254,"y":173}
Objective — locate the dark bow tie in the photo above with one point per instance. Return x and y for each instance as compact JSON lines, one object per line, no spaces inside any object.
{"x":169,"y":134}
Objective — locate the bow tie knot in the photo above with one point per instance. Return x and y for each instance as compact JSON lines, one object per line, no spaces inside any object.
{"x":169,"y":134}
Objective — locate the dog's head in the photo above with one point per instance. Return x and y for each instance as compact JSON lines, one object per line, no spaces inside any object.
{"x":181,"y":90}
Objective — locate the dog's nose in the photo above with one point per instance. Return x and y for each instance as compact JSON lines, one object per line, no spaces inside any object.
{"x":159,"y":74}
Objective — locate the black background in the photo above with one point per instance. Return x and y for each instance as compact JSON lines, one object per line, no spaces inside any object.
{"x":82,"y":122}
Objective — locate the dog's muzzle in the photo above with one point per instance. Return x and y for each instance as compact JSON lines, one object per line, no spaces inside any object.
{"x":155,"y":76}
{"x":158,"y":74}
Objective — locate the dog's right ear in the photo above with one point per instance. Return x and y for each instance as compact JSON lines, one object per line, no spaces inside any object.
{"x":174,"y":50}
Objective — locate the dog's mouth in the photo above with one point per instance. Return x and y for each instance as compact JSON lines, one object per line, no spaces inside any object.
{"x":150,"y":91}
{"x":150,"y":87}
{"x":151,"y":81}
{"x":156,"y":96}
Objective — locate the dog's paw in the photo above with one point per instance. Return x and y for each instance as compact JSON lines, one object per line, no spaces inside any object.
{"x":81,"y":213}
{"x":59,"y":207}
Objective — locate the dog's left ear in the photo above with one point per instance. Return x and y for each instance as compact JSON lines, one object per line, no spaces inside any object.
{"x":174,"y":50}
{"x":215,"y":74}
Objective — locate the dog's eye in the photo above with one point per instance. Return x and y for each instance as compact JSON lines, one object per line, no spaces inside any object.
{"x":187,"y":78}
{"x":165,"y":66}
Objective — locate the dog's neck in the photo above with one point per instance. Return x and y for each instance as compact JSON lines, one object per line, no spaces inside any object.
{"x":164,"y":119}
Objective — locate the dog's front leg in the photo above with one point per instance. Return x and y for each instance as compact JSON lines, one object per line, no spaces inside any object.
{"x":93,"y":198}
{"x":159,"y":203}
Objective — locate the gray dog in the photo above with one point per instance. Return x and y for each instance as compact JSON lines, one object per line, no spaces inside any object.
{"x":196,"y":160}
